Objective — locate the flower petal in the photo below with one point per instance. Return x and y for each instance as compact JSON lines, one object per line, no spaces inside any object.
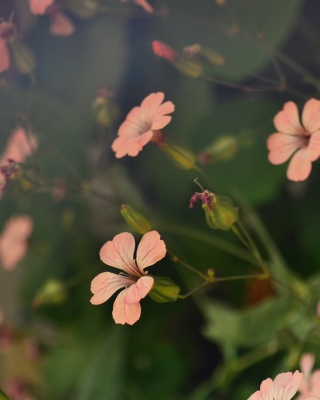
{"x":61,"y":25}
{"x":118,"y":253}
{"x":255,"y":396}
{"x":145,"y":5}
{"x":138,"y":290}
{"x":287,"y":120}
{"x":266,"y":389}
{"x":315,"y":383}
{"x":39,"y":6}
{"x":311,"y":115}
{"x":282,"y":146}
{"x":306,"y":364}
{"x":4,"y":56}
{"x":130,"y":145}
{"x":300,"y":166}
{"x":314,"y":146}
{"x":286,"y":385}
{"x":125,"y":313}
{"x":104,"y":285}
{"x":150,"y":250}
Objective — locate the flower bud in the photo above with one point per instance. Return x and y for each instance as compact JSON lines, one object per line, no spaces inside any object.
{"x":164,"y":290}
{"x":53,"y":292}
{"x":190,"y":68}
{"x":135,"y":220}
{"x":23,"y":57}
{"x":219,"y":210}
{"x":222,"y":149}
{"x":104,"y":109}
{"x":183,"y":158}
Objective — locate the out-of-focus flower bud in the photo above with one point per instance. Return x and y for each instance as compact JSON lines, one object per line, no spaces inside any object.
{"x":53,"y":292}
{"x":23,"y":57}
{"x":211,"y":56}
{"x":104,"y":108}
{"x":219,"y":210}
{"x":210,"y":274}
{"x":188,"y":67}
{"x":223,"y":148}
{"x":164,"y":290}
{"x":135,"y":220}
{"x":182,"y":157}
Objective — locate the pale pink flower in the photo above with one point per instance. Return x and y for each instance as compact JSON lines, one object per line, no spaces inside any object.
{"x":141,"y":123}
{"x":311,"y":381}
{"x":39,"y":6}
{"x":284,"y":387}
{"x":162,"y":50}
{"x":6,"y":33}
{"x":13,"y":241}
{"x":118,"y":253}
{"x":292,"y":137}
{"x":61,"y":25}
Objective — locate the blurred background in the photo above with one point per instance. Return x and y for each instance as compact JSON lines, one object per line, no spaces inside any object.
{"x":72,"y":90}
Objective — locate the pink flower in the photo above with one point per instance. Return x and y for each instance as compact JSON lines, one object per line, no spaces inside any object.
{"x":39,"y":6}
{"x":118,"y":253}
{"x":6,"y":32}
{"x":141,"y":122}
{"x":311,"y":381}
{"x":61,"y":25}
{"x":292,"y":137}
{"x":284,"y":387}
{"x":13,"y":241}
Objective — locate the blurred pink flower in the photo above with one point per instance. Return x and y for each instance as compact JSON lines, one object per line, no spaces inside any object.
{"x":292,"y":137}
{"x":6,"y":32}
{"x":311,"y":381}
{"x":284,"y":387}
{"x":61,"y":25}
{"x":142,"y":3}
{"x":141,"y":123}
{"x":162,"y":50}
{"x":39,"y":6}
{"x":13,"y":241}
{"x":118,"y":253}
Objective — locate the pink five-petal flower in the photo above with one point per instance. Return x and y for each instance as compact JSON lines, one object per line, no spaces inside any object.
{"x":311,"y":381}
{"x":39,"y":6}
{"x":13,"y":241}
{"x":61,"y":25}
{"x":118,"y":253}
{"x":141,"y":122}
{"x":292,"y":138}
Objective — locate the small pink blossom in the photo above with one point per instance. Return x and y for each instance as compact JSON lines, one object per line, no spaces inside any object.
{"x":141,"y":125}
{"x":284,"y":387}
{"x":61,"y":25}
{"x":39,"y":6}
{"x":13,"y":241}
{"x":6,"y":33}
{"x":311,"y":380}
{"x":118,"y":253}
{"x":162,"y":50}
{"x":303,"y":141}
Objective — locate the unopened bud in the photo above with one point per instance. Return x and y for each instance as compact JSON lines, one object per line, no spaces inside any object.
{"x":219,"y":210}
{"x":23,"y":57}
{"x":190,"y":68}
{"x":183,"y":158}
{"x":164,"y":51}
{"x":104,"y":108}
{"x":164,"y":290}
{"x":212,"y":56}
{"x":53,"y":292}
{"x":210,"y":272}
{"x":135,"y":220}
{"x":222,"y":149}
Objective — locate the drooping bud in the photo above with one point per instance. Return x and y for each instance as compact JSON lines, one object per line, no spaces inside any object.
{"x":164,"y":290}
{"x":135,"y":220}
{"x":182,"y":157}
{"x":222,"y":149}
{"x":53,"y":292}
{"x":23,"y":57}
{"x":219,"y":210}
{"x":104,"y":108}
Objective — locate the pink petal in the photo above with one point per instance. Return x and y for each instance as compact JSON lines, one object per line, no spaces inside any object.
{"x":145,"y":5}
{"x":287,"y":120}
{"x":315,"y":383}
{"x":39,"y":6}
{"x":255,"y":396}
{"x":306,"y":364}
{"x":314,"y":146}
{"x":4,"y":56}
{"x":125,"y":313}
{"x":138,"y":290}
{"x":61,"y":25}
{"x":311,"y":115}
{"x":300,"y":166}
{"x":151,"y":103}
{"x":150,"y":250}
{"x":266,"y":389}
{"x":20,"y":146}
{"x":130,"y":145}
{"x":104,"y":285}
{"x":286,"y":385}
{"x":282,"y":146}
{"x":11,"y":256}
{"x":118,"y":253}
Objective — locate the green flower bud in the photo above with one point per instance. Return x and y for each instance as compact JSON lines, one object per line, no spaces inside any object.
{"x":53,"y":292}
{"x":190,"y":68}
{"x":222,"y":149}
{"x":220,"y":214}
{"x":164,"y":290}
{"x":183,"y":158}
{"x":135,"y":220}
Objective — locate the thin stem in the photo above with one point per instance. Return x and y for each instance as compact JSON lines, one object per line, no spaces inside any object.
{"x":239,"y":277}
{"x":205,"y":176}
{"x":184,"y":296}
{"x":176,"y":259}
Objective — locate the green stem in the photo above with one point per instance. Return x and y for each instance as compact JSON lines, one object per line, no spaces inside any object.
{"x":176,"y":259}
{"x":238,"y":277}
{"x":184,"y":296}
